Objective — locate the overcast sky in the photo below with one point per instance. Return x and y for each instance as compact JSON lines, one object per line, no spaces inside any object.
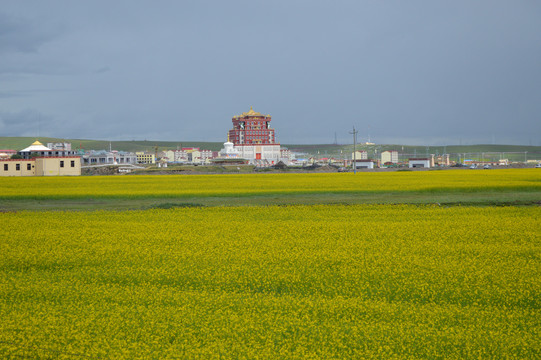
{"x":411,"y":72}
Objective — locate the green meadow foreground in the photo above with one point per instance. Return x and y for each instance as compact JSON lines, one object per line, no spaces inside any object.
{"x":319,"y":281}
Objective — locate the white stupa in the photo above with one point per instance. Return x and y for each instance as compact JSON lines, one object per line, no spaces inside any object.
{"x":229,"y":150}
{"x":36,"y":147}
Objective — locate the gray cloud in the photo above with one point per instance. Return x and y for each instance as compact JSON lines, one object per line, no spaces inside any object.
{"x":20,"y":35}
{"x":413,"y":70}
{"x":24,"y":123}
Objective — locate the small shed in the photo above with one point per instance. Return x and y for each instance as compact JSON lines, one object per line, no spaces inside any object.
{"x":419,"y":162}
{"x":364,"y":164}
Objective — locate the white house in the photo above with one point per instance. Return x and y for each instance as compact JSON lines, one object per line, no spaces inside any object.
{"x":419,"y":162}
{"x":364,"y":164}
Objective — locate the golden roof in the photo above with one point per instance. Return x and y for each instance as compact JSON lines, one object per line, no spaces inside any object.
{"x":37,"y":143}
{"x":250,"y":113}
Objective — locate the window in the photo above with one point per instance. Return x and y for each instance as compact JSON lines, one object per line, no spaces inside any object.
{"x":17,"y":167}
{"x":5,"y":167}
{"x":72,"y":163}
{"x":29,"y":166}
{"x":61,"y":163}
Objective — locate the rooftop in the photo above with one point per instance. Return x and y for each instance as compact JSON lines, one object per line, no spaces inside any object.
{"x":36,"y":146}
{"x":251,"y":113}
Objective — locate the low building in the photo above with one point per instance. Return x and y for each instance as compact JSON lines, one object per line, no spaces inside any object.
{"x":7,"y":153}
{"x":145,"y":158}
{"x":181,"y":156}
{"x":389,"y":156}
{"x":39,"y":160}
{"x":442,"y":160}
{"x":359,"y":155}
{"x":103,"y":157}
{"x":65,"y":146}
{"x":37,"y":149}
{"x":167,"y":155}
{"x":285,"y":155}
{"x":420,"y":162}
{"x":17,"y":167}
{"x":55,"y":166}
{"x":364,"y":164}
{"x":207,"y":155}
{"x":42,"y":166}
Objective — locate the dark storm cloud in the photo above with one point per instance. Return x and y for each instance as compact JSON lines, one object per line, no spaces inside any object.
{"x":430,"y":72}
{"x":24,"y":123}
{"x":21,"y":35}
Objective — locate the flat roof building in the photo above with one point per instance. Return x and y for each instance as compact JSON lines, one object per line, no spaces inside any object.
{"x":39,"y":160}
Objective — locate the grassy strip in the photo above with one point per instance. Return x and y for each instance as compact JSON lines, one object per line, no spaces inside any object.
{"x":535,"y":188}
{"x":444,"y":199}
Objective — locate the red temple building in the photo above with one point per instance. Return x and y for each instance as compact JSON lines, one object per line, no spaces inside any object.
{"x":254,"y":139}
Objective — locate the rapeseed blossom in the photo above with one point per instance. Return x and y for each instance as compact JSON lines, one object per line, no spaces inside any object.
{"x":291,"y":282}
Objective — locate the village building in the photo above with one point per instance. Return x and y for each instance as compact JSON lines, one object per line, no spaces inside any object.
{"x":145,"y":158}
{"x":359,"y":155}
{"x":389,"y":156}
{"x":420,"y":162}
{"x":39,"y":160}
{"x":59,"y":146}
{"x":103,"y":157}
{"x":364,"y":164}
{"x":37,"y":149}
{"x":7,"y":153}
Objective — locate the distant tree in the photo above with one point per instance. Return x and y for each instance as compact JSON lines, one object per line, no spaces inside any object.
{"x":16,"y":156}
{"x":34,"y":155}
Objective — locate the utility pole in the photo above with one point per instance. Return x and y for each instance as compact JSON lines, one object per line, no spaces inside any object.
{"x":354,"y":132}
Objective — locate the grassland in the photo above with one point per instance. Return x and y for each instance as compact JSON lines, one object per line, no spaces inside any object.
{"x":294,"y":266}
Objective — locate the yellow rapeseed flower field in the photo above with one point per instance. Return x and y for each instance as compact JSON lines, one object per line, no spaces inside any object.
{"x":501,"y":180}
{"x":287,"y":282}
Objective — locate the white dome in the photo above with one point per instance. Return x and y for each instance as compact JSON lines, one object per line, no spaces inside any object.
{"x":36,"y":146}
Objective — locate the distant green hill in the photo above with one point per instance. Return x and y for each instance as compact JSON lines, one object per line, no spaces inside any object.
{"x":488,"y":152}
{"x":18,"y":143}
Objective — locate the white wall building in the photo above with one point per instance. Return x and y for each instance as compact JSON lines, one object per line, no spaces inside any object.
{"x":364,"y":163}
{"x":59,"y":146}
{"x":268,"y":154}
{"x":419,"y":163}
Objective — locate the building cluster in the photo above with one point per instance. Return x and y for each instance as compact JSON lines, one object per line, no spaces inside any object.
{"x":188,"y":155}
{"x":389,"y":158}
{"x":39,"y":160}
{"x":251,"y":140}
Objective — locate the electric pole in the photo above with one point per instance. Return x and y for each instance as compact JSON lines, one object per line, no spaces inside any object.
{"x":354,"y":132}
